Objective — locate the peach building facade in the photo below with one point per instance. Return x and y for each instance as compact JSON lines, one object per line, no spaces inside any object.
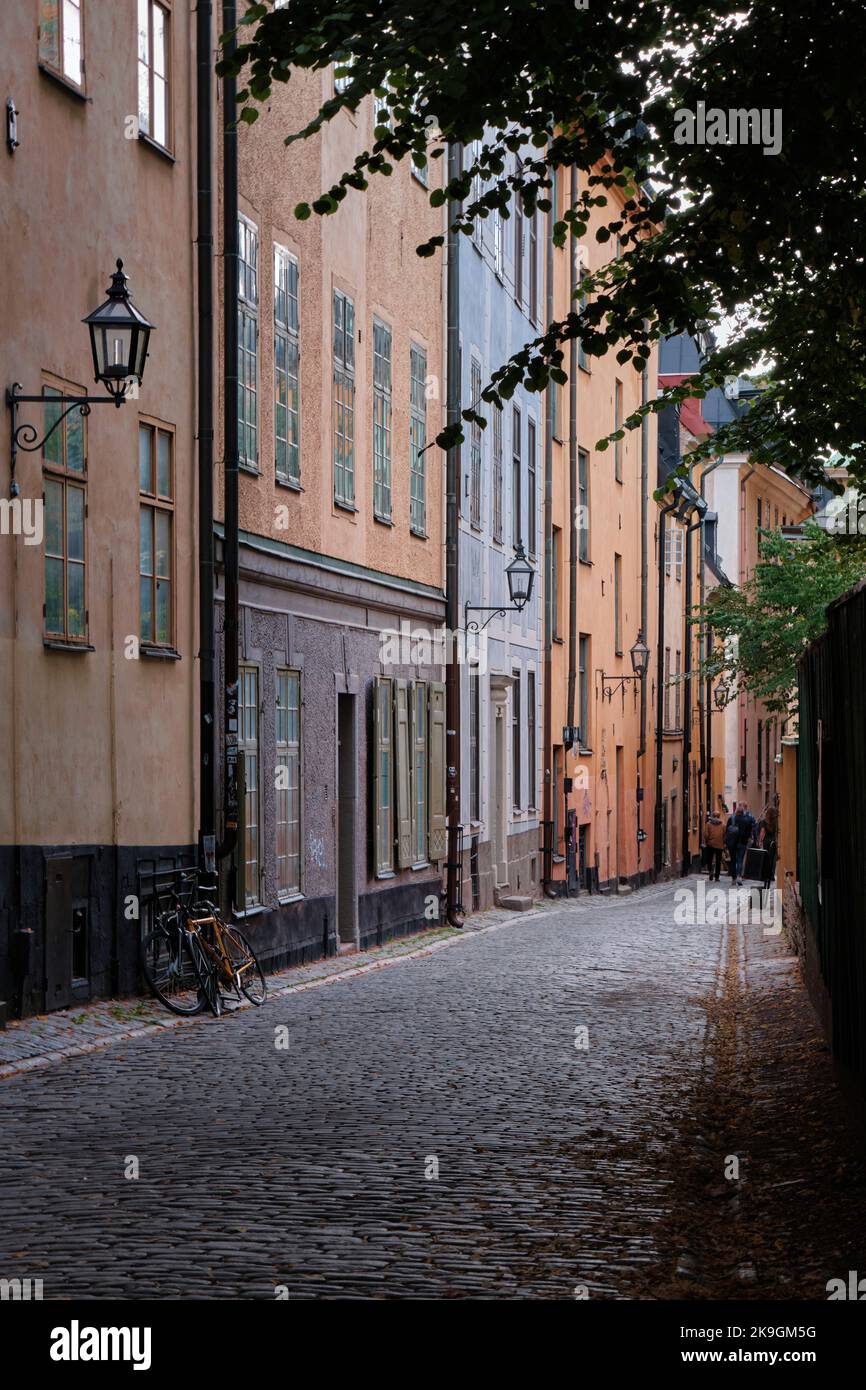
{"x":98,"y":645}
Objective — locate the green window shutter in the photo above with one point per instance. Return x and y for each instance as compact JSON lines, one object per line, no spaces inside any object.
{"x":402,"y":756}
{"x":436,"y":781}
{"x":240,"y":855}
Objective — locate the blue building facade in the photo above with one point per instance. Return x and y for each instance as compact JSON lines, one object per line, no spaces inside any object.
{"x":501,"y":507}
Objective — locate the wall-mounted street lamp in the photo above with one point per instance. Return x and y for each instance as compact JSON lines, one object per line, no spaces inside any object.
{"x":520,"y":576}
{"x":119,"y":337}
{"x":720,"y":695}
{"x":639,"y":654}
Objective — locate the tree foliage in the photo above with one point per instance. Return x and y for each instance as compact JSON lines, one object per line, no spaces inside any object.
{"x":762,"y":627}
{"x":711,"y":233}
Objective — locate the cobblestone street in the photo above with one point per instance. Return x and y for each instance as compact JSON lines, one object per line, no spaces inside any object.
{"x":308,"y":1167}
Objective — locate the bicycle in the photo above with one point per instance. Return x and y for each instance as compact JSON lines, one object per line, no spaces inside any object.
{"x":191,"y":955}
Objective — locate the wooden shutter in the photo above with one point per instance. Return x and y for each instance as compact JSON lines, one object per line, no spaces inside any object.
{"x":436,"y":777}
{"x":402,"y":774}
{"x":241,"y":845}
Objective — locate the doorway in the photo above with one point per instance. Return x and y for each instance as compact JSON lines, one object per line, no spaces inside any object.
{"x":621,"y":865}
{"x":347,"y":810}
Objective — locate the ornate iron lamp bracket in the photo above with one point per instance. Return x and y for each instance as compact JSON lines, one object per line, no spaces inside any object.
{"x":26,"y":436}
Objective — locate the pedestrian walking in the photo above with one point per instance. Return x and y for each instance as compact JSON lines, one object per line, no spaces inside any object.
{"x":767,"y":838}
{"x":714,"y":839}
{"x":739,"y":834}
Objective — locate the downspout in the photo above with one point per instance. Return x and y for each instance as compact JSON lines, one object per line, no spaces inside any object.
{"x":453,"y":911}
{"x":572,"y":488}
{"x":572,"y":535}
{"x":660,"y":681}
{"x":687,"y":698}
{"x":204,"y":244}
{"x":230,"y":445}
{"x":644,"y":572}
{"x":547,"y":808}
{"x":705,"y":692}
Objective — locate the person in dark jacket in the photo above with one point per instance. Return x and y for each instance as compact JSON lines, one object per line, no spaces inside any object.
{"x":739,"y":834}
{"x":767,"y":838}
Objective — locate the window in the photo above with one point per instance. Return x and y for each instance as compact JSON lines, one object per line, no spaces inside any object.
{"x":475,"y":446}
{"x":617,"y":604}
{"x":516,"y":518}
{"x":248,"y":344}
{"x":156,"y":541}
{"x":474,"y":744}
{"x":531,"y":751}
{"x":617,"y":425}
{"x":583,"y":502}
{"x":677,"y":692}
{"x":419,"y":772}
{"x":555,"y":581}
{"x":497,"y":243}
{"x":497,"y":474}
{"x":383,"y":774}
{"x":583,"y":690}
{"x":515,"y":740}
{"x":476,"y":192}
{"x":518,"y":253}
{"x":64,"y":481}
{"x":344,"y":400}
{"x":533,"y":267}
{"x":667,"y":703}
{"x":288,"y":741}
{"x":287,"y":407}
{"x":582,"y":360}
{"x":61,"y":38}
{"x":554,"y":396}
{"x":343,"y":73}
{"x":760,"y":751}
{"x":531,"y":497}
{"x":417,"y":440}
{"x":381,"y":421}
{"x":153,"y":71}
{"x":248,"y":745}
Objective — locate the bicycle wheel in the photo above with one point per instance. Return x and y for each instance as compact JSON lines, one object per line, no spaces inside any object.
{"x":208,"y":974}
{"x":171,"y":970}
{"x":248,"y":973}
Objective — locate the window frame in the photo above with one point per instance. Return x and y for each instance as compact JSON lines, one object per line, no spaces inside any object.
{"x":531,"y":751}
{"x":417,"y":441}
{"x":285,"y":747}
{"x":383,"y":699}
{"x":287,"y":334}
{"x":474,"y":745}
{"x":382,"y":401}
{"x":58,"y":68}
{"x":516,"y":760}
{"x":475,"y":455}
{"x":167,"y":78}
{"x":617,"y":425}
{"x":496,"y":529}
{"x":617,"y":604}
{"x":343,"y":402}
{"x":248,"y":312}
{"x":419,"y":754}
{"x":516,"y":477}
{"x":246,"y":746}
{"x":531,"y":488}
{"x":583,"y":498}
{"x":61,"y":475}
{"x":158,"y":502}
{"x":584,"y":659}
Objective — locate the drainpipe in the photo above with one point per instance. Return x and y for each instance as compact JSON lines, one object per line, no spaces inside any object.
{"x":547,"y":808}
{"x":204,"y":244}
{"x":660,"y":679}
{"x":570,"y":874}
{"x":705,"y":690}
{"x":687,"y":697}
{"x":454,"y":868}
{"x":644,"y":573}
{"x":230,"y":465}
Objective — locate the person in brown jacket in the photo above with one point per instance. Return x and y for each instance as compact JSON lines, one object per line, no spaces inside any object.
{"x":714,"y":839}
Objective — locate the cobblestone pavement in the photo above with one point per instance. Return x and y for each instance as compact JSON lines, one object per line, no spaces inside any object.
{"x":309,"y":1167}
